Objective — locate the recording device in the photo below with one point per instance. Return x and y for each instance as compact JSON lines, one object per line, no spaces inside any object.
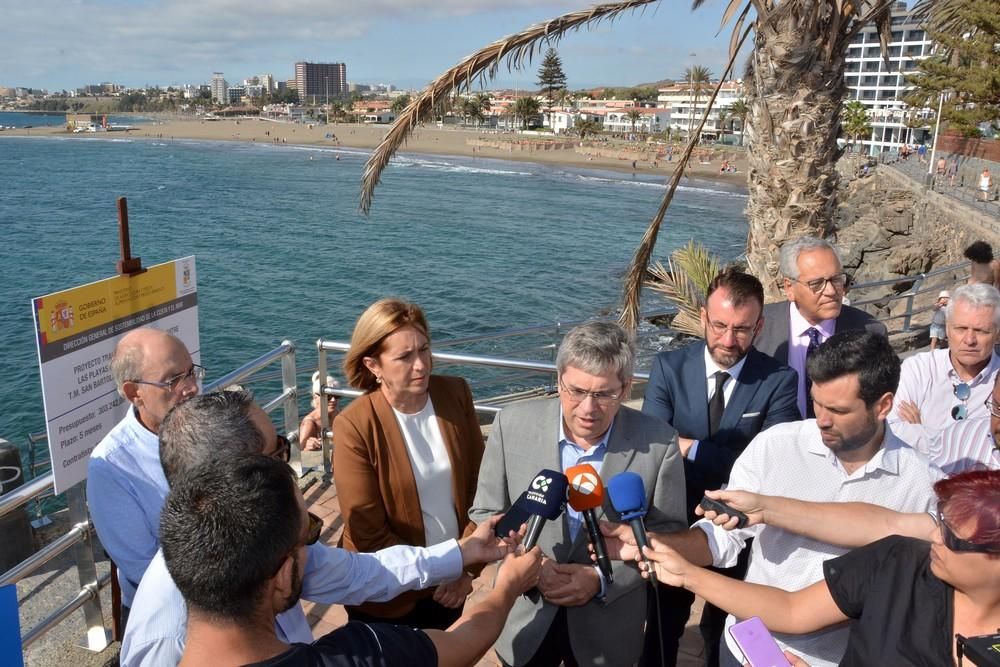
{"x":982,"y":651}
{"x":720,"y":507}
{"x":512,"y":519}
{"x":628,"y":497}
{"x":586,"y":492}
{"x":758,"y":646}
{"x":543,"y":501}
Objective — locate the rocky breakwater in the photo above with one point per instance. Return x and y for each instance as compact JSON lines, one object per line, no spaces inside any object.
{"x":890,"y":228}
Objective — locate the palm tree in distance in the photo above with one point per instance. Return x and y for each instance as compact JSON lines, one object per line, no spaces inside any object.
{"x":720,"y":122}
{"x":739,"y":110}
{"x":633,"y":115}
{"x":525,"y":108}
{"x":855,"y":121}
{"x":795,"y":98}
{"x":697,"y":79}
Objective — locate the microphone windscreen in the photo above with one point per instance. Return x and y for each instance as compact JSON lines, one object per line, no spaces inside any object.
{"x":628,"y":495}
{"x":546,"y":494}
{"x":586,"y":491}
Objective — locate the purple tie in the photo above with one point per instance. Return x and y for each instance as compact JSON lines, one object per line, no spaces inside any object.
{"x":814,"y":342}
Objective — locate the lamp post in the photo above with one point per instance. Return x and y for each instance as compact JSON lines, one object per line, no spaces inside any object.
{"x":937,"y":126}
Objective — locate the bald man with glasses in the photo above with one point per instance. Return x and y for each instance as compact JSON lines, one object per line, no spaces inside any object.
{"x":153,"y":371}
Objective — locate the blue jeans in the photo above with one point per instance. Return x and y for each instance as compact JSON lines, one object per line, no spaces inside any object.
{"x":726,"y":657}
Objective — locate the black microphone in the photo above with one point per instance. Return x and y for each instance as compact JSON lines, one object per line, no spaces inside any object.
{"x":586,"y":492}
{"x":628,"y":497}
{"x":544,"y":502}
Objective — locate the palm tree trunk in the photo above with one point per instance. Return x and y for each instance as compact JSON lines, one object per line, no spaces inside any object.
{"x":795,"y":91}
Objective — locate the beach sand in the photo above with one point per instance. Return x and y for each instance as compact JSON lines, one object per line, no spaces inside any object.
{"x":424,"y":140}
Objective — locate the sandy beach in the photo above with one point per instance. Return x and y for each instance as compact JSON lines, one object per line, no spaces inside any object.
{"x":618,"y":156}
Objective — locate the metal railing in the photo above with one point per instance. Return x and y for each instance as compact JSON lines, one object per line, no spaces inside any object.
{"x":959,"y":274}
{"x":80,"y":537}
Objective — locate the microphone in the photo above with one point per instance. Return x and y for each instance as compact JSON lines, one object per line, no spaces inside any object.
{"x":586,"y":492}
{"x":628,"y":497}
{"x":544,"y":502}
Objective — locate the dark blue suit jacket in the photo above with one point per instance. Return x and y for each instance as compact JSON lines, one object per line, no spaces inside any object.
{"x":765,"y":394}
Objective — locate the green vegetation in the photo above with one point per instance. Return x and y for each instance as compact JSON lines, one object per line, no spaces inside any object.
{"x":697,"y":79}
{"x":589,"y":126}
{"x":966,"y":68}
{"x":551,"y":77}
{"x":524,"y":109}
{"x":854,"y":121}
{"x":400,"y":103}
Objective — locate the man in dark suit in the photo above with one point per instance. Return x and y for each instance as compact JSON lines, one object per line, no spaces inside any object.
{"x":719,"y":395}
{"x":815,"y":283}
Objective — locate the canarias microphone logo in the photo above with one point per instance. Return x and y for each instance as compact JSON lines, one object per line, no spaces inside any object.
{"x":61,"y":316}
{"x":541,"y":483}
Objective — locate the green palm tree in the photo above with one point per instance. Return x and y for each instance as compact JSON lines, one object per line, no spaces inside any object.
{"x":721,"y":119}
{"x":855,"y":121}
{"x":634,"y":115}
{"x":588,"y":126}
{"x":739,"y":110}
{"x":697,"y":79}
{"x":524,"y":109}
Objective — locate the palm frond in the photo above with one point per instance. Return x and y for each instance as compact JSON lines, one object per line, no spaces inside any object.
{"x":676,"y":287}
{"x":516,"y":50}
{"x":629,"y":318}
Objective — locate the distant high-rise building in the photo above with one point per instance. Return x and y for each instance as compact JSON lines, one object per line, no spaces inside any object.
{"x":219,"y":88}
{"x":267,"y":81}
{"x":320,"y":81}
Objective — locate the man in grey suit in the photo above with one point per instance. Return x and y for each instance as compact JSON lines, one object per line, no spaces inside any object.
{"x":815,"y":283}
{"x":579,"y":618}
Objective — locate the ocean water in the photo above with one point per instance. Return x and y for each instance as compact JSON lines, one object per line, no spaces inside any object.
{"x":282,"y":252}
{"x":51,"y":118}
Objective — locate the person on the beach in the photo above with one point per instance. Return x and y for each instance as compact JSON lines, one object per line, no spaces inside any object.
{"x":311,"y":428}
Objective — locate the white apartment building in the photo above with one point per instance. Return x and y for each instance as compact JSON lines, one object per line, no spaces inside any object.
{"x":881,"y":89}
{"x":650,"y":121}
{"x":219,"y":88}
{"x":685,"y":113}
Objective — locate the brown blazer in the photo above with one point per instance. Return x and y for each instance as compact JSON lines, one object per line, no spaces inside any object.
{"x":378,"y":496}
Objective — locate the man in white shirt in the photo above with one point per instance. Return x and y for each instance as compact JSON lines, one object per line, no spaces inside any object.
{"x":815,"y":284}
{"x":940,"y":387}
{"x":846,"y":454}
{"x":971,"y":444}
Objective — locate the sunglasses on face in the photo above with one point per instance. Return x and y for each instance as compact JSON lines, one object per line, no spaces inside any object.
{"x":959,"y":545}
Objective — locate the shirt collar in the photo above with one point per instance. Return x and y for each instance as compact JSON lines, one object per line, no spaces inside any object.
{"x":944,"y":359}
{"x":886,"y":458}
{"x":711,"y":368}
{"x":565,"y":438}
{"x":799,"y":324}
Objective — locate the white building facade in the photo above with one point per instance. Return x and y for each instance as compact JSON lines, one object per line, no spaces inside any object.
{"x":686,"y":112}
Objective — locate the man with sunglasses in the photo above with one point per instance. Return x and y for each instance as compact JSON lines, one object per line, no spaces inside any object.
{"x":153,"y":371}
{"x":815,"y":284}
{"x":940,"y":387}
{"x":228,"y":425}
{"x":719,"y":395}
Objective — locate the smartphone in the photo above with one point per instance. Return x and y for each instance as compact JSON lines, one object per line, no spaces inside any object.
{"x":758,"y":646}
{"x":720,"y":507}
{"x":513,"y":518}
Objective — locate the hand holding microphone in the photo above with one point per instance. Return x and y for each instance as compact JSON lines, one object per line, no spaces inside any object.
{"x":628,"y":497}
{"x":586,"y":493}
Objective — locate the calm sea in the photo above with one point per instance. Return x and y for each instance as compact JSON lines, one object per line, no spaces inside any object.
{"x":47,"y":119}
{"x":282,"y":251}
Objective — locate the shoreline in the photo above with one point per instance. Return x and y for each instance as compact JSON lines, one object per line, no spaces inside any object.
{"x":424,"y":140}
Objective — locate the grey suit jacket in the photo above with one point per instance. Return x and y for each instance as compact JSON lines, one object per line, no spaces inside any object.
{"x":773,"y":337}
{"x":524,"y":440}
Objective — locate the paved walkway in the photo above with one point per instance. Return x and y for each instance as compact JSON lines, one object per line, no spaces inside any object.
{"x":321,"y":499}
{"x":966,"y":184}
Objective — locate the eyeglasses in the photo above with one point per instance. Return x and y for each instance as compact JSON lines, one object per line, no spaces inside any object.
{"x":817,"y":286}
{"x":602,"y":398}
{"x":282,"y":450}
{"x":170,"y":384}
{"x":720,"y":329}
{"x":962,"y":392}
{"x":957,"y":544}
{"x":992,"y":407}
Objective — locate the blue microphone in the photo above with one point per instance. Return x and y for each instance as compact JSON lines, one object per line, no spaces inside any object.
{"x":544,"y":501}
{"x":628,"y":498}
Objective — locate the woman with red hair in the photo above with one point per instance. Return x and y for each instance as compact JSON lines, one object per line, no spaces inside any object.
{"x":906,"y":598}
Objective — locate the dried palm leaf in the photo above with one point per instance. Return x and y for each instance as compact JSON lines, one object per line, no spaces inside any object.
{"x":676,"y":287}
{"x":516,"y":50}
{"x":629,"y":318}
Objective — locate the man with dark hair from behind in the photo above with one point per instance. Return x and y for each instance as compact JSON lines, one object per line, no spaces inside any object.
{"x":847,"y":453}
{"x":228,"y":425}
{"x":234,"y":535}
{"x":985,"y":268}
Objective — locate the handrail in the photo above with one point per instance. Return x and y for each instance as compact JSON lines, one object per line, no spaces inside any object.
{"x":78,"y":536}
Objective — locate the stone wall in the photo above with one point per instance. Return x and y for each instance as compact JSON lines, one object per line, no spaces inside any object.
{"x":888,"y":226}
{"x":984,"y":149}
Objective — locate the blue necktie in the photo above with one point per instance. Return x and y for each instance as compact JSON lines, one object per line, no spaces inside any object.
{"x":814,"y":342}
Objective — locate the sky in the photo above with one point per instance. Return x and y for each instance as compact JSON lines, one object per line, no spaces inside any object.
{"x":66,"y":44}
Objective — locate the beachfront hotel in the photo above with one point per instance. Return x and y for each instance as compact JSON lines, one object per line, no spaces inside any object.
{"x":319,"y":82}
{"x":881,"y":89}
{"x":686,"y":112}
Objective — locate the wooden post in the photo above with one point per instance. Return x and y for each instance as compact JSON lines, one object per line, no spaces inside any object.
{"x":127,"y":265}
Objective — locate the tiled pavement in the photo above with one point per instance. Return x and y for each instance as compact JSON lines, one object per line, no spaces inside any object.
{"x":321,"y":499}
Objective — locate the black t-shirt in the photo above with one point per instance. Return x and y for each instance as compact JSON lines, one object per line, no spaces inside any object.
{"x":902,"y":613}
{"x":361,"y":645}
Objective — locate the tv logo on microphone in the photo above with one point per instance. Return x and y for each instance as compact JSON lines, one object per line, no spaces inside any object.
{"x":585,"y":483}
{"x":538,"y":488}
